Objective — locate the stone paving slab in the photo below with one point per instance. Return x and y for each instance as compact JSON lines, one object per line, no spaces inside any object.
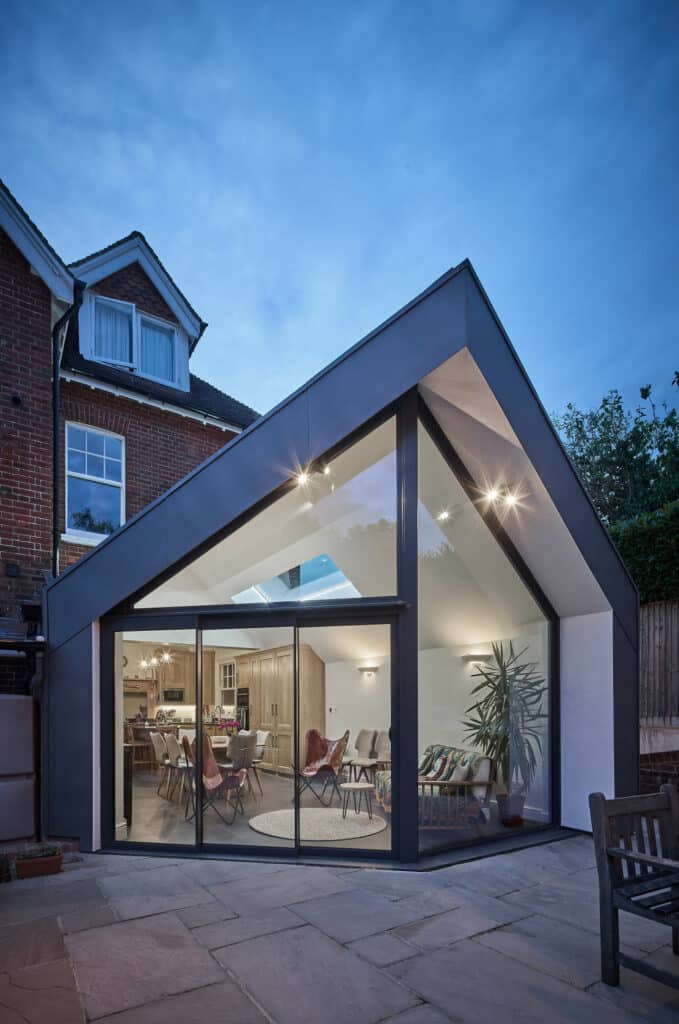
{"x":32,"y":942}
{"x":474,"y":914}
{"x":239,"y":929}
{"x":134,"y":962}
{"x":574,"y":899}
{"x":484,"y":987}
{"x":250,"y":939}
{"x":258,"y":894}
{"x":353,"y":915}
{"x":28,"y":903}
{"x":422,"y":1014}
{"x":559,"y":949}
{"x":41,"y":994}
{"x":309,"y":977}
{"x":143,"y":893}
{"x":223,"y":1003}
{"x":383,"y":949}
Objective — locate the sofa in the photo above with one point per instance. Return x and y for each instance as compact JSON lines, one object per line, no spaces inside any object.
{"x":454,"y":786}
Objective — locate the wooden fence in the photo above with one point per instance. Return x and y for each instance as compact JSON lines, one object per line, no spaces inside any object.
{"x":659,"y":663}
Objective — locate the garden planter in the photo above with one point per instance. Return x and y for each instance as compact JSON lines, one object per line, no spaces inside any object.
{"x":33,"y":867}
{"x":510,"y":806}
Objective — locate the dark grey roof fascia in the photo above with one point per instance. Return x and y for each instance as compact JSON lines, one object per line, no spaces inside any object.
{"x":451,"y":314}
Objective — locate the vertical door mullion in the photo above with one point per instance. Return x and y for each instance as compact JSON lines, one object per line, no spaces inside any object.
{"x":405,"y":726}
{"x":295,"y":730}
{"x":199,"y":739}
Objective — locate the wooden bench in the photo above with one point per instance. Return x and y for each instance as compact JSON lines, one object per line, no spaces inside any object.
{"x":636,"y":841}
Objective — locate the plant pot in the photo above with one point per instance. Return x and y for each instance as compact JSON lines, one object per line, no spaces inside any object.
{"x":510,"y":806}
{"x":33,"y":867}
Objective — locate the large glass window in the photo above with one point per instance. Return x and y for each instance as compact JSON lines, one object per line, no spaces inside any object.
{"x":156,"y":350}
{"x":345,"y":713}
{"x":331,"y":536}
{"x":484,"y":759}
{"x":249,"y":743}
{"x":154,"y":736}
{"x":95,"y":488}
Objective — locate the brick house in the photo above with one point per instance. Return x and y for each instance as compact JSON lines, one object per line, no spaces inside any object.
{"x":132,"y":418}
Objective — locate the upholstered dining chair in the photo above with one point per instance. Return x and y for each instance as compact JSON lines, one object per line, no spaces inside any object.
{"x":323,"y":762}
{"x":241,"y":753}
{"x":178,"y":766}
{"x":162,"y":759}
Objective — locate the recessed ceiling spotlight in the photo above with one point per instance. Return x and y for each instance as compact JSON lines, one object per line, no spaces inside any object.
{"x":326,"y":470}
{"x":442,"y":516}
{"x":492,"y":494}
{"x":303,"y":478}
{"x":510,"y":499}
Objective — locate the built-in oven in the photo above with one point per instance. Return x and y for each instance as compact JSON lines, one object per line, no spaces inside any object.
{"x":243,"y":707}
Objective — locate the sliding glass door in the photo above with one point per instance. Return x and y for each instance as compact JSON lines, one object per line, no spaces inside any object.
{"x":245,"y":735}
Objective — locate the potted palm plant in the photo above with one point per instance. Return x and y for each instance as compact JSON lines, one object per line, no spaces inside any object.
{"x":507,"y":724}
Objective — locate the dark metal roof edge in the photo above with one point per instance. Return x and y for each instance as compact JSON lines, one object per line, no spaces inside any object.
{"x":548,"y":420}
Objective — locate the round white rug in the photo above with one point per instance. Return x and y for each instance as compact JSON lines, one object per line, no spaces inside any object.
{"x":318,"y":824}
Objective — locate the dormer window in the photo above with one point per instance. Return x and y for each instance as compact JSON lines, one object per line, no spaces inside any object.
{"x":118,"y":334}
{"x":114,"y":332}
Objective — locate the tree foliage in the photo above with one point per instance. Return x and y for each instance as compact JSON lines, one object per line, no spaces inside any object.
{"x":629,"y":461}
{"x":649,"y":546}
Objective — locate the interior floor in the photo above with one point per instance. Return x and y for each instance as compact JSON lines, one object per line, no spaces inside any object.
{"x":155,"y":819}
{"x":159,"y":820}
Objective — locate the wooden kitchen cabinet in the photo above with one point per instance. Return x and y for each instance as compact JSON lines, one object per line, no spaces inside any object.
{"x":269,"y":675}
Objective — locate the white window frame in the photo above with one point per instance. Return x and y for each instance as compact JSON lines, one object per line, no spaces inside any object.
{"x":88,"y":536}
{"x":137,"y":317}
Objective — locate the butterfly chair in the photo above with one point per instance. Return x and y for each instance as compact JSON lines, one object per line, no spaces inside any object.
{"x":323,"y":761}
{"x":217,"y":786}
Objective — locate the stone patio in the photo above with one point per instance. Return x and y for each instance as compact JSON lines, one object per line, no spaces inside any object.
{"x":142,"y":940}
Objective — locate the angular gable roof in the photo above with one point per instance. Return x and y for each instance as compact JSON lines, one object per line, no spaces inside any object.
{"x":135,"y":248}
{"x":35,"y":248}
{"x":451,"y":316}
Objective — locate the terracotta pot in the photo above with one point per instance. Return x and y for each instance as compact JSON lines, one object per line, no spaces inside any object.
{"x":510,"y":806}
{"x":36,"y":866}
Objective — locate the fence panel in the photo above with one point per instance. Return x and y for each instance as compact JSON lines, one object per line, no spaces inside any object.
{"x":659,"y":663}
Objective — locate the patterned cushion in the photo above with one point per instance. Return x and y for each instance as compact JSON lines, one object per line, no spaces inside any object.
{"x":438,"y":769}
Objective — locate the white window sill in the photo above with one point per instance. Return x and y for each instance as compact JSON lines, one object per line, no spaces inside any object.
{"x":88,"y":542}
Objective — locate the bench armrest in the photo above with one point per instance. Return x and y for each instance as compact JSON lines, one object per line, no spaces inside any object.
{"x":642,"y":858}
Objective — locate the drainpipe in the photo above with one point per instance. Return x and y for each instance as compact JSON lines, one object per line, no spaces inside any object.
{"x":65,"y":320}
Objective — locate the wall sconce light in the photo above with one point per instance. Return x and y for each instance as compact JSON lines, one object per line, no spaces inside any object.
{"x":476,"y":659}
{"x":368,"y":671}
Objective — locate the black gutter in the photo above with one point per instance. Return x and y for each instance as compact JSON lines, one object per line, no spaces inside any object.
{"x":71,"y":312}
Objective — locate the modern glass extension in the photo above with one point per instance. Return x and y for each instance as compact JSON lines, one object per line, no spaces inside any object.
{"x":363,"y":667}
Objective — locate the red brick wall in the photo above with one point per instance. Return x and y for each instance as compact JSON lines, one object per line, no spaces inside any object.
{"x":160,"y":447}
{"x":25,"y":428}
{"x":132,"y":285}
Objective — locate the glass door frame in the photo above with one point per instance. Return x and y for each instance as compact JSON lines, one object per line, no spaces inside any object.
{"x":361,"y":612}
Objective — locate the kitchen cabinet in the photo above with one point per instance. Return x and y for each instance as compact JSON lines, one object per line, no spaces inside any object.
{"x":269,"y":675}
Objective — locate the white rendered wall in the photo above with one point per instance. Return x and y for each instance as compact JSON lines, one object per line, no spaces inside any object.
{"x":586,"y":714}
{"x":354,"y":702}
